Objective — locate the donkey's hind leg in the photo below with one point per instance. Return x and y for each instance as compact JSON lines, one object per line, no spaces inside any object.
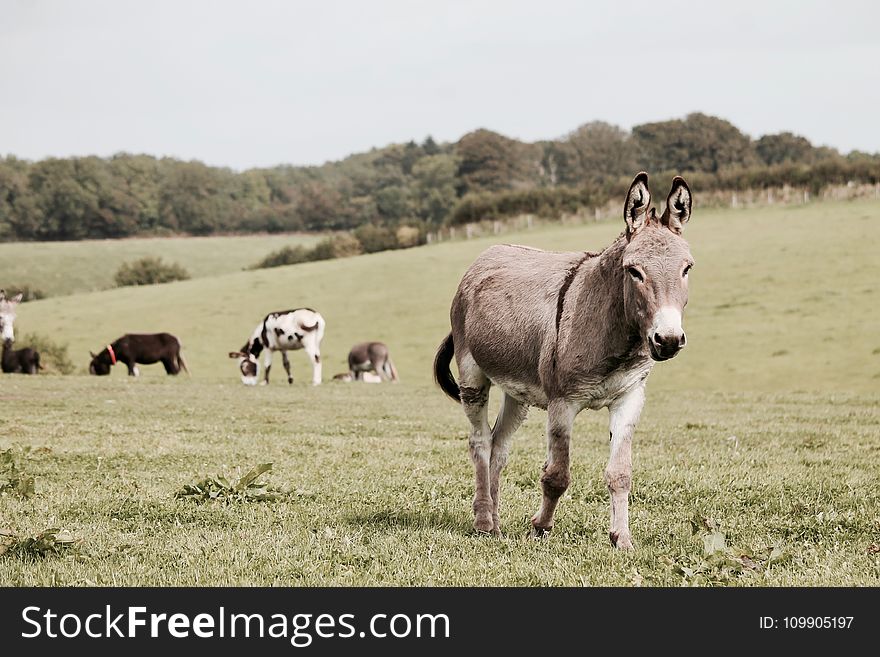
{"x":474,"y":392}
{"x":510,"y":417}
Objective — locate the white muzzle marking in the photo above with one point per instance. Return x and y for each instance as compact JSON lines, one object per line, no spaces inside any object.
{"x":667,"y":322}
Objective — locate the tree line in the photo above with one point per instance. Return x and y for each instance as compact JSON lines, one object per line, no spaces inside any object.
{"x":418,"y":186}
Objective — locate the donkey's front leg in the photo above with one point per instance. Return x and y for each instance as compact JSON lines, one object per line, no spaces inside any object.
{"x":557,"y":476}
{"x":624,"y":414}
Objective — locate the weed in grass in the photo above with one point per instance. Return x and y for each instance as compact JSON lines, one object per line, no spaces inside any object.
{"x":246,"y":488}
{"x":12,"y":478}
{"x":52,"y":541}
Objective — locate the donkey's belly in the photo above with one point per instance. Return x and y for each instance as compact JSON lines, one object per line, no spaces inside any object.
{"x":525,"y":393}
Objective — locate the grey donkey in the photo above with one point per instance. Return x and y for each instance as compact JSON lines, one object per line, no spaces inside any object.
{"x":565,"y":332}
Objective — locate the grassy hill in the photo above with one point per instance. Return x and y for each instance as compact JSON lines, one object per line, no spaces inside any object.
{"x":766,"y":429}
{"x":782,"y":298}
{"x":59,"y":268}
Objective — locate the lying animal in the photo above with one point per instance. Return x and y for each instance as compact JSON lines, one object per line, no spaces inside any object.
{"x":371,"y":357}
{"x":366,"y":377}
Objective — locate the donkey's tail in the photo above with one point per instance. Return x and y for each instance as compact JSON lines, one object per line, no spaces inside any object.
{"x":442,"y":373}
{"x":181,"y":362}
{"x":392,"y":371}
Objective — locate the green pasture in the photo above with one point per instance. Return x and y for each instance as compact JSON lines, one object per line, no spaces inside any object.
{"x":59,"y":268}
{"x":756,"y":461}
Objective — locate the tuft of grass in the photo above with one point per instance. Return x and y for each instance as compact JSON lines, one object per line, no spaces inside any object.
{"x":12,"y":478}
{"x":52,"y":541}
{"x":246,"y":488}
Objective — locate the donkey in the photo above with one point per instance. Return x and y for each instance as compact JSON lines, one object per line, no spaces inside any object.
{"x":140,"y":348}
{"x":7,"y":315}
{"x":565,"y":332}
{"x":368,"y":357}
{"x":19,"y":361}
{"x":288,"y":330}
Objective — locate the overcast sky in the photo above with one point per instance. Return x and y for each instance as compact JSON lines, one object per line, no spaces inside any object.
{"x":257,"y":83}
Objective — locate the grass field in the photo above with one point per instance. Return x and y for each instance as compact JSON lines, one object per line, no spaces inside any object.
{"x":765,"y":429}
{"x":59,"y":268}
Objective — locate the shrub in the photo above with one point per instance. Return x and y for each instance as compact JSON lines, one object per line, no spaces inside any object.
{"x":345,"y":245}
{"x":27,"y":292}
{"x":53,"y":356}
{"x":376,"y":238}
{"x":149,"y":271}
{"x":342,"y":245}
{"x":408,"y":236}
{"x":288,"y":255}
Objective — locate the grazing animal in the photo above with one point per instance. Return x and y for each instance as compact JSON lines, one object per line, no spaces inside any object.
{"x":373,"y":357}
{"x":140,"y":348}
{"x":565,"y":332}
{"x":288,"y":330}
{"x":19,"y":361}
{"x":366,"y":377}
{"x":7,"y":315}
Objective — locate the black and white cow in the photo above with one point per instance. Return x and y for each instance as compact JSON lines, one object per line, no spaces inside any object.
{"x":288,"y":330}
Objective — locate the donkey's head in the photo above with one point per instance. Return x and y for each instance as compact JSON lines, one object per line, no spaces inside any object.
{"x":101,"y":363}
{"x":656,"y":262}
{"x":7,"y":315}
{"x":247,"y":361}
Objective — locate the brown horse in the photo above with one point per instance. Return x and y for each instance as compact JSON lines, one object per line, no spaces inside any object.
{"x":565,"y":332}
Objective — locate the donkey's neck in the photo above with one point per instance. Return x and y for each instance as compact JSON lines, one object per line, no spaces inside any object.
{"x":598,"y":309}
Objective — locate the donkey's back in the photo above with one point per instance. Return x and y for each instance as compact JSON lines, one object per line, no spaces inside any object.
{"x":505,"y":311}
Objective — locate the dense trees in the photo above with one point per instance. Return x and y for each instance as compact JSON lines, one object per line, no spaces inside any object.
{"x":411,"y":186}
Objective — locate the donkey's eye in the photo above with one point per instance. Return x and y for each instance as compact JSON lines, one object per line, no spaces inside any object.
{"x":686,"y":270}
{"x":636,"y":274}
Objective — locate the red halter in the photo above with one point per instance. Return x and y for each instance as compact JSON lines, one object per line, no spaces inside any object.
{"x":112,"y":354}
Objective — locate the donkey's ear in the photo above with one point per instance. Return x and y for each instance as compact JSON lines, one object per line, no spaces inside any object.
{"x":236,"y":354}
{"x":16,"y":299}
{"x":92,"y":354}
{"x":678,"y":206}
{"x":638,"y":198}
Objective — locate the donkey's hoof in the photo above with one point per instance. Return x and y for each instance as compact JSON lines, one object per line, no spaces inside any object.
{"x":290,"y":381}
{"x":484,"y":525}
{"x":540,"y":532}
{"x":621,"y":540}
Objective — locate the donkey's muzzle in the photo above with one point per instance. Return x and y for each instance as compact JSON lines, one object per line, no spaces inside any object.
{"x":664,"y":347}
